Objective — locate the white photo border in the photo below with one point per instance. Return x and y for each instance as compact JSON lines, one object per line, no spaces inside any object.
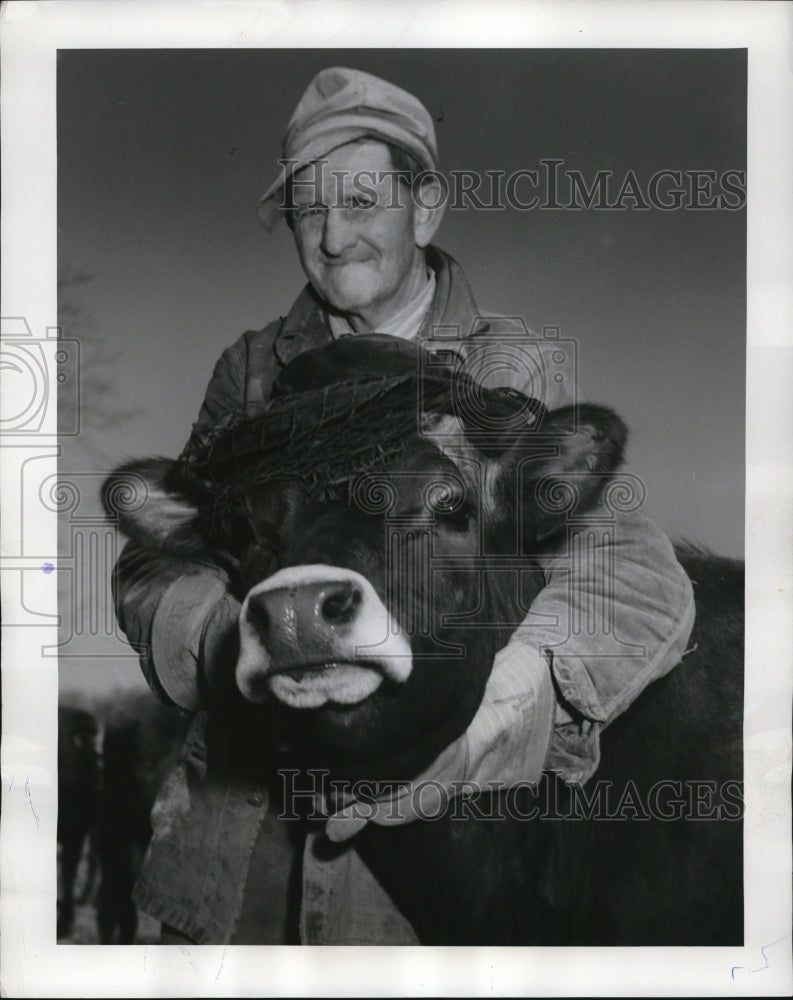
{"x":32,"y":963}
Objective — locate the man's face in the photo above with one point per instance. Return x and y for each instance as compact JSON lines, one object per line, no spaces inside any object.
{"x":356,"y":232}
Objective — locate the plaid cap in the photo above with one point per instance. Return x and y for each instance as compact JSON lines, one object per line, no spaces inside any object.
{"x":342,"y":105}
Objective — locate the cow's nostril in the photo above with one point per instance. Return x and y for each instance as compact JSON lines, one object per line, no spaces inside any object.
{"x":341,"y":605}
{"x":258,"y":614}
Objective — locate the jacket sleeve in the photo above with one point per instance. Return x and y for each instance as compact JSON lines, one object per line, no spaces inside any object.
{"x":616,"y":614}
{"x":180,"y":616}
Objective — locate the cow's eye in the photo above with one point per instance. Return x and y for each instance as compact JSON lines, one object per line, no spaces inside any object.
{"x":447,"y":501}
{"x":456,"y":519}
{"x":444,"y":495}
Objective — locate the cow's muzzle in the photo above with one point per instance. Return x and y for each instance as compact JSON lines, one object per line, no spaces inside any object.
{"x":316,"y":634}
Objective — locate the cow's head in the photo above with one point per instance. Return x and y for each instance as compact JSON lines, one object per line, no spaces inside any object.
{"x":374,"y":601}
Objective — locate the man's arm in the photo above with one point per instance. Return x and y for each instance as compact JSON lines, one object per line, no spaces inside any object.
{"x":615,"y":614}
{"x":180,"y":617}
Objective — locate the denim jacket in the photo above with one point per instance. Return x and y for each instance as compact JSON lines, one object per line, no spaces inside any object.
{"x":582,"y":655}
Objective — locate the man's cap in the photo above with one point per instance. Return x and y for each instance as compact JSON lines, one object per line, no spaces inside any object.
{"x":342,"y":105}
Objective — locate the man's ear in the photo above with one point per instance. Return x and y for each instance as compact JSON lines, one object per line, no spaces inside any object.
{"x":430,"y":195}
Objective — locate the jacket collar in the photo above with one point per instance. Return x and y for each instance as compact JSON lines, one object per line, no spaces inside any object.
{"x":452,"y":316}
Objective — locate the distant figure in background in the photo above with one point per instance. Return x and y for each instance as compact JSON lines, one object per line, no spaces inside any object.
{"x":112,"y":762}
{"x":79,"y":785}
{"x":141,"y":741}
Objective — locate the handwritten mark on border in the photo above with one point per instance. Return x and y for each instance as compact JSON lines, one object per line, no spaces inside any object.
{"x":766,"y":965}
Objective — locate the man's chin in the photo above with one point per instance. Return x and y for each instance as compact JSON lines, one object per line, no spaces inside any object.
{"x":350,"y":301}
{"x":347,"y":285}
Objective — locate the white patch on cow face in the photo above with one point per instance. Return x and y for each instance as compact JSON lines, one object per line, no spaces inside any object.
{"x":293,"y":650}
{"x":447,"y":433}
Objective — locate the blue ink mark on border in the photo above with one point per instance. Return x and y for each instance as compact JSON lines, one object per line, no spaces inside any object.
{"x":30,"y":800}
{"x":47,"y":568}
{"x":745,"y":968}
{"x":13,"y":776}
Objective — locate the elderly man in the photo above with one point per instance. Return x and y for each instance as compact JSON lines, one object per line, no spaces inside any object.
{"x":220,"y":867}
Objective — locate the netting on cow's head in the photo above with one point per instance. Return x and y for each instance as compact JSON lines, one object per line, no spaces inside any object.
{"x":338,"y":413}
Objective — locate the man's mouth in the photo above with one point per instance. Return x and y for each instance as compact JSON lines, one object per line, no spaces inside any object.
{"x":344,"y":262}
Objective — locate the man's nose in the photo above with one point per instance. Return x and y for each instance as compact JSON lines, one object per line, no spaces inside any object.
{"x":338,"y":232}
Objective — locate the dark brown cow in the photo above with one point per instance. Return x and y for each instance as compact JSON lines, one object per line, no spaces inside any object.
{"x":141,"y":741}
{"x":374,"y":605}
{"x":110,"y":767}
{"x":79,"y":783}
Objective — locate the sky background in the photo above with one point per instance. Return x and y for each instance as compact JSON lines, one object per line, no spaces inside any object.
{"x":162,"y":155}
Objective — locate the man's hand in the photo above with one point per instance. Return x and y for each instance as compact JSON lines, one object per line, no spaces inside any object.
{"x":194,"y":640}
{"x":425,"y":796}
{"x":506,"y":743}
{"x":219,"y":649}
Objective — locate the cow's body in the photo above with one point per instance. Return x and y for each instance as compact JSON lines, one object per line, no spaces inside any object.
{"x":364,"y":663}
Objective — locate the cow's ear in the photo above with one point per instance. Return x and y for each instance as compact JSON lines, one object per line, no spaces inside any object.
{"x":573,"y":461}
{"x":587,"y":438}
{"x":156,"y":505}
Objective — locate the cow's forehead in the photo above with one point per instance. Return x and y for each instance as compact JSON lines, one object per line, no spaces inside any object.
{"x":440,"y":450}
{"x":446,"y":434}
{"x":439,"y":457}
{"x":449,"y":435}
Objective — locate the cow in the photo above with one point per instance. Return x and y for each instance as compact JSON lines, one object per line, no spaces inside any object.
{"x":141,"y":740}
{"x":111,"y":763}
{"x":377,"y":586}
{"x":79,"y":783}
